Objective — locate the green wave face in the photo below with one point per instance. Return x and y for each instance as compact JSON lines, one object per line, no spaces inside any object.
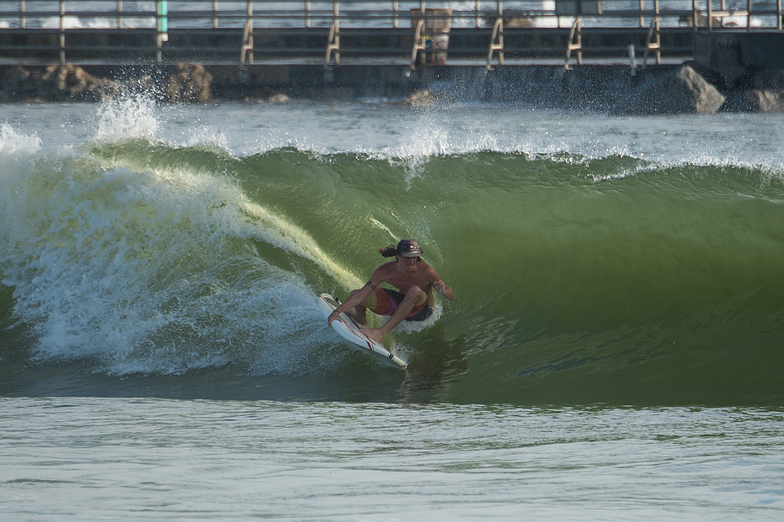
{"x":577,"y":280}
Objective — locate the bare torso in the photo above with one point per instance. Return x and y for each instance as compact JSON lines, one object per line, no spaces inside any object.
{"x":417,"y":274}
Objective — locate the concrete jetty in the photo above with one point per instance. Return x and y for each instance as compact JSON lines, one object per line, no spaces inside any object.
{"x":579,"y":60}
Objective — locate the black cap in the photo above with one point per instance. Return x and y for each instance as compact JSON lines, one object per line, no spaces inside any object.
{"x":409,"y":248}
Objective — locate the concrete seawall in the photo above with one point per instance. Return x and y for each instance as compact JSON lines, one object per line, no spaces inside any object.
{"x":589,"y":86}
{"x":735,"y":63}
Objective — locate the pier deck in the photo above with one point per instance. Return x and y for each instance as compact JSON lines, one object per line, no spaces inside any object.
{"x":374,"y":32}
{"x":366,"y":48}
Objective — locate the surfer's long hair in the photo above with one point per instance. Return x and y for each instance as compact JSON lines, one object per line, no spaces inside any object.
{"x":391,"y":251}
{"x":388,"y":251}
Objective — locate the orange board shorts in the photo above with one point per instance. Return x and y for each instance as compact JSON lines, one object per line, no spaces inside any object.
{"x":384,"y":302}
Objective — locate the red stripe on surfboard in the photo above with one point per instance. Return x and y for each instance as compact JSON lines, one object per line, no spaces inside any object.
{"x":367,"y":339}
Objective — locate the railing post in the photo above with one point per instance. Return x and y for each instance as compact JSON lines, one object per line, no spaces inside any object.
{"x":394,"y":14}
{"x":780,"y":15}
{"x":642,"y":8}
{"x":119,"y":14}
{"x":710,"y":16}
{"x":62,"y":32}
{"x":694,"y":14}
{"x":22,"y":19}
{"x":307,"y":13}
{"x":214,"y":14}
{"x":162,"y":26}
{"x":658,"y":31}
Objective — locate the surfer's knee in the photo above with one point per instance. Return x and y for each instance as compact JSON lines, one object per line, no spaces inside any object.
{"x":415,"y":293}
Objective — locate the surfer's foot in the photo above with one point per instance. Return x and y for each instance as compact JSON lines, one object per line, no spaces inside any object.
{"x":377,"y":334}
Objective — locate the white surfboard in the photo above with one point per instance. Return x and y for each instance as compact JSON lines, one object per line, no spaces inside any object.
{"x":348,"y":329}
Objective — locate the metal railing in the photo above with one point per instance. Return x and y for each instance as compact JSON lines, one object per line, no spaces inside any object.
{"x":482,"y":30}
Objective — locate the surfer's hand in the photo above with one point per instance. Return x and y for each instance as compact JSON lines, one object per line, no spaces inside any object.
{"x":444,"y":290}
{"x":334,"y":315}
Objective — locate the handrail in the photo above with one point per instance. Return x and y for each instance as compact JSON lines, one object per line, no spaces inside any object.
{"x":491,"y":18}
{"x":302,"y":14}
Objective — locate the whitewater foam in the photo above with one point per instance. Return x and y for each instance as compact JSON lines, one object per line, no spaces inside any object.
{"x":12,"y":142}
{"x":130,"y":115}
{"x":151,"y":270}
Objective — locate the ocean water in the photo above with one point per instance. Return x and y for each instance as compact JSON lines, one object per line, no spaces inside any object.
{"x":614,"y":350}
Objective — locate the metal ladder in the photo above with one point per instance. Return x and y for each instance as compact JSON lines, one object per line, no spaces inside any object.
{"x":247,"y":37}
{"x":333,"y":41}
{"x":496,"y":43}
{"x":573,"y":45}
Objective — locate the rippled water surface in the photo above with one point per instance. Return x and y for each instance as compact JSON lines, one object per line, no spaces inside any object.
{"x":96,"y":459}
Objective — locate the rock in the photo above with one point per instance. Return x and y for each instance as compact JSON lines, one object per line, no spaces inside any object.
{"x":57,"y":83}
{"x":17,"y":83}
{"x":78,"y":83}
{"x":190,"y":84}
{"x":419,"y":99}
{"x":711,"y":76}
{"x":737,"y":102}
{"x":279,"y":98}
{"x":759,"y":90}
{"x":765,"y":101}
{"x":683,"y":91}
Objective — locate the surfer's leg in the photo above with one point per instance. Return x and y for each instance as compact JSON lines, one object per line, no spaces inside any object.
{"x":359,"y":312}
{"x":361,"y":317}
{"x":403,"y":309}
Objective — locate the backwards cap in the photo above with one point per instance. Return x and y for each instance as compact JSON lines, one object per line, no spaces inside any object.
{"x":409,"y":248}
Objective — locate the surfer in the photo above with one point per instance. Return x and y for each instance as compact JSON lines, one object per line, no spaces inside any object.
{"x":415,"y":281}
